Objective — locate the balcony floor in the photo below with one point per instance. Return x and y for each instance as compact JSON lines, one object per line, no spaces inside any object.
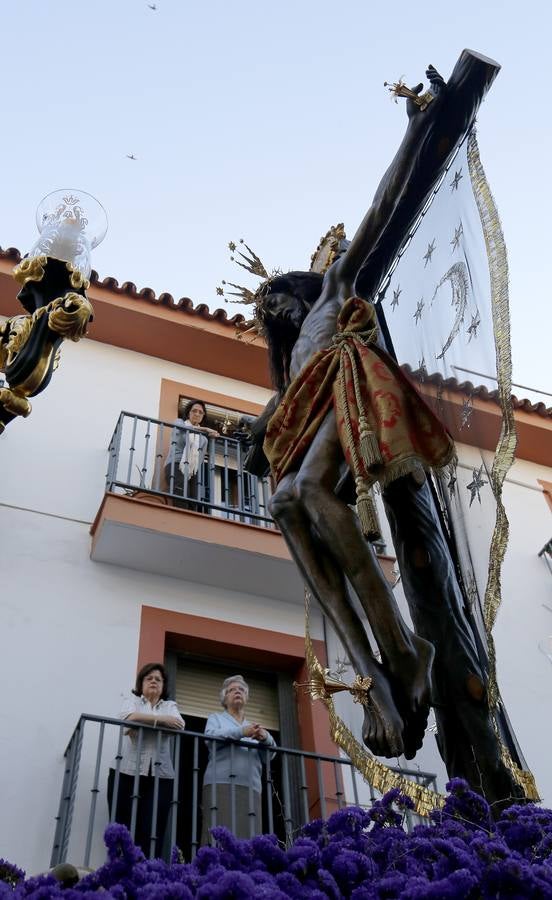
{"x":140,"y":534}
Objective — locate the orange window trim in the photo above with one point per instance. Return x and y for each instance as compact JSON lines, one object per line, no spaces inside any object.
{"x":171,"y":391}
{"x":163,"y":629}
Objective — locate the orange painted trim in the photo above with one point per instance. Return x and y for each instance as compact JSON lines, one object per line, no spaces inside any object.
{"x":171,"y":334}
{"x":163,"y":629}
{"x":209,"y":345}
{"x":146,"y":512}
{"x":534,"y":432}
{"x":140,"y":513}
{"x":171,"y":391}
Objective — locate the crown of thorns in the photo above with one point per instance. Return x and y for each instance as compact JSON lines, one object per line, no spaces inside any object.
{"x":253,"y":264}
{"x":330,"y":245}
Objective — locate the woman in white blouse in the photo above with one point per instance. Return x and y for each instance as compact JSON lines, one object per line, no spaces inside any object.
{"x":149,"y":753}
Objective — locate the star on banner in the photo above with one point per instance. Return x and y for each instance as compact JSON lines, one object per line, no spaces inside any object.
{"x":473,"y":326}
{"x":458,"y":232}
{"x":475,"y":485}
{"x":452,"y":481}
{"x":396,"y":294}
{"x":456,"y":180}
{"x":341,"y":665}
{"x":429,"y":252}
{"x":466,"y":414}
{"x":419,"y":308}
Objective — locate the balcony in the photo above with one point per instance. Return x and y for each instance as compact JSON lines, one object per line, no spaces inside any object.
{"x":213,"y":527}
{"x":297,"y":787}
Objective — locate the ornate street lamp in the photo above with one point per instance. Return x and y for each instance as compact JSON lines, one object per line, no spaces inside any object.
{"x":54,"y":277}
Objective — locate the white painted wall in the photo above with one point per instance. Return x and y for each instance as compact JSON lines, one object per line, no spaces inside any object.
{"x":68,"y":645}
{"x":69,"y":627}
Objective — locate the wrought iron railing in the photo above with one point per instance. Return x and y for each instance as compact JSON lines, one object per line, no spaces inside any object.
{"x":144,"y":458}
{"x":546,"y":554}
{"x":297,"y":787}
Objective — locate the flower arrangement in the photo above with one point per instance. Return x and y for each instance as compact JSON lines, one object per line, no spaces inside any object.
{"x":357,"y":854}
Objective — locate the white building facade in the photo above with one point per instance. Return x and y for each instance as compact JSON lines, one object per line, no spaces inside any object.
{"x":96,"y":584}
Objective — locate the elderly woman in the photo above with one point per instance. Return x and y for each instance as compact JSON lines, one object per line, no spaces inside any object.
{"x":187,"y":451}
{"x":148,"y":754}
{"x":232,"y":780}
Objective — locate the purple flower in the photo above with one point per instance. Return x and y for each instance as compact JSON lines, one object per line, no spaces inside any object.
{"x":206,"y":858}
{"x":357,"y":854}
{"x":464,"y":804}
{"x":230,"y":886}
{"x":314,"y":829}
{"x":120,"y":845}
{"x":164,"y":891}
{"x":382,"y":813}
{"x":303,"y":857}
{"x":9,"y":873}
{"x":290,"y":885}
{"x":349,"y":867}
{"x":348,"y":821}
{"x":329,"y":885}
{"x":266,"y":849}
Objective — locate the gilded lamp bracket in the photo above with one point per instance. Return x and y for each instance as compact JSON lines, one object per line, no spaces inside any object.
{"x":57,"y":309}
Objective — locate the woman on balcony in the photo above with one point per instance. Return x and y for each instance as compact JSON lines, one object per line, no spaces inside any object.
{"x":148,"y":753}
{"x":232,"y":780}
{"x":186,"y":454}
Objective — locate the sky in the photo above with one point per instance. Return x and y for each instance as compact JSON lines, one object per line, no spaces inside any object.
{"x":263,"y":121}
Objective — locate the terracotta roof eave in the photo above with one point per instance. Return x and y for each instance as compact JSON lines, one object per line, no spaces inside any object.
{"x":480,"y":391}
{"x":11,"y":254}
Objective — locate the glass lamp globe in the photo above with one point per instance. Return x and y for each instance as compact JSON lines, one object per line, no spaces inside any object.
{"x":71,"y":223}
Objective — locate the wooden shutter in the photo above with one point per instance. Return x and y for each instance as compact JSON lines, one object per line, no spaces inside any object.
{"x":198,"y":685}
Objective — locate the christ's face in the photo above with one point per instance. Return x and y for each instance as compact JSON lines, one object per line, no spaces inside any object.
{"x":283,"y":307}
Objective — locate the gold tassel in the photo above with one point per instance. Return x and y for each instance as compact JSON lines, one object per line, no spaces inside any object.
{"x":366,"y":509}
{"x":368,"y":444}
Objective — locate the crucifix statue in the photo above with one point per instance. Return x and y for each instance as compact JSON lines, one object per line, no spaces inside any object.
{"x":345,"y":418}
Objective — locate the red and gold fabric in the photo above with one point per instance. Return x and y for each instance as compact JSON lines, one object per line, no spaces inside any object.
{"x":385,"y":427}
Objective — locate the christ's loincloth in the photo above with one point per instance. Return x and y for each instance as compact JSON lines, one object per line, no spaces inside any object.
{"x":385,"y":428}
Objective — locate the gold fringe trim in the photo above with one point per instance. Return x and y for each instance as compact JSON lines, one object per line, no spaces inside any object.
{"x":376,"y":773}
{"x":506,"y":446}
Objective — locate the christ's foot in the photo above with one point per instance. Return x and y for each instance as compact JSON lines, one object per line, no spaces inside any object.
{"x":382,"y":730}
{"x":411,"y":673}
{"x":412,"y":692}
{"x":414,"y":731}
